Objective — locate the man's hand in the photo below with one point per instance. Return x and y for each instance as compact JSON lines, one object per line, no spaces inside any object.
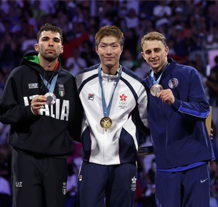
{"x":166,"y":96}
{"x":211,"y":134}
{"x":38,"y":103}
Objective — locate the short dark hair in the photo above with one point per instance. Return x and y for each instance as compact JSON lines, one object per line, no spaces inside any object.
{"x":49,"y":27}
{"x":109,"y":31}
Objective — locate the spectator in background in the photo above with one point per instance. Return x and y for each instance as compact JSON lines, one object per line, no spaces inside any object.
{"x":162,"y":14}
{"x":2,"y":27}
{"x":37,"y":11}
{"x":5,"y":192}
{"x":212,"y":37}
{"x":29,"y":41}
{"x":212,"y":83}
{"x":71,"y":186}
{"x":128,"y":61}
{"x":75,"y":63}
{"x":7,"y":51}
{"x":215,"y":68}
{"x":198,"y":65}
{"x":180,"y":44}
{"x":5,"y":175}
{"x":148,"y":197}
{"x":64,"y":24}
{"x":213,"y":12}
{"x":5,"y":163}
{"x":132,"y":20}
{"x":131,"y":42}
{"x":87,"y":53}
{"x":4,"y":129}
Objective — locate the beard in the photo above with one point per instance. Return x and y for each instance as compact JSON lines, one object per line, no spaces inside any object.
{"x":50,"y":58}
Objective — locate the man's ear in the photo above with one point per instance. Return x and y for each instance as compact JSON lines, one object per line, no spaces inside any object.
{"x":96,"y":49}
{"x":36,"y":48}
{"x":62,"y":49}
{"x":143,"y":55}
{"x":121,"y":50}
{"x":167,"y":50}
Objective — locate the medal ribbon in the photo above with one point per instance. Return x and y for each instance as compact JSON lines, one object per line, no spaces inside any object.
{"x":49,"y":86}
{"x":106,"y":109}
{"x":158,"y":80}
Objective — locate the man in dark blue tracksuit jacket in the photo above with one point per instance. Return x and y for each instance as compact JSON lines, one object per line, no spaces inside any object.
{"x":177,"y":110}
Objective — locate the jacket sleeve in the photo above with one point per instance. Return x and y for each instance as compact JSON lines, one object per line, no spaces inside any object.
{"x":12,"y":112}
{"x":140,"y":113}
{"x":197,"y":106}
{"x":75,"y":124}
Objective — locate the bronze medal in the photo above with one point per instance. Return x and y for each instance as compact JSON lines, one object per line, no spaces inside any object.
{"x":106,"y":122}
{"x":155,"y":89}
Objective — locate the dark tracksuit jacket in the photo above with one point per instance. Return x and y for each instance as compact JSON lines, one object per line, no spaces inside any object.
{"x":179,"y":134}
{"x":46,"y":133}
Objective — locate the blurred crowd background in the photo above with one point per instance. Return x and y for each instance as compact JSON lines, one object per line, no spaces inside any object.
{"x":191,"y":29}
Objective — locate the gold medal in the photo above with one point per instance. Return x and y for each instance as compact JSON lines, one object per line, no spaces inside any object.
{"x":155,"y":89}
{"x":106,"y":122}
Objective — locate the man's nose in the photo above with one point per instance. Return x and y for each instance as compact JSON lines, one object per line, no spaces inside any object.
{"x":51,"y":42}
{"x":108,"y":49}
{"x":152,"y":54}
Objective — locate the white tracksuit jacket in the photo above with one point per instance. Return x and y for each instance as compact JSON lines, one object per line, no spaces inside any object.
{"x":118,"y":144}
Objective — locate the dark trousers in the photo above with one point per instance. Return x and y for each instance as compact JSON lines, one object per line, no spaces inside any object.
{"x":113,"y":184}
{"x":38,"y":181}
{"x":188,"y":188}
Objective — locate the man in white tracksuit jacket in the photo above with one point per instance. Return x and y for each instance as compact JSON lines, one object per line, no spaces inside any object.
{"x":114,"y":100}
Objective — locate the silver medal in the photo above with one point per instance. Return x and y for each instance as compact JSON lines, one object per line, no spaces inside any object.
{"x":50,"y":98}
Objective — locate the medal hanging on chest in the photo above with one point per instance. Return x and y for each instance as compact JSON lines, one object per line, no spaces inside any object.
{"x":156,"y":88}
{"x":50,"y":97}
{"x":106,"y":121}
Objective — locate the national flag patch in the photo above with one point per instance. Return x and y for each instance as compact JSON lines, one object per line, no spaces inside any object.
{"x":173,"y":83}
{"x":61,"y":90}
{"x":61,"y":93}
{"x":64,"y":188}
{"x":64,"y":191}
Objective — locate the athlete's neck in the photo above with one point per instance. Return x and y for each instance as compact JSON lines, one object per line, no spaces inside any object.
{"x":48,"y":66}
{"x":110,"y":70}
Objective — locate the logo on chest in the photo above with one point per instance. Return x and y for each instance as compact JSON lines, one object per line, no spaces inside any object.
{"x":61,"y":90}
{"x":91,"y":97}
{"x":33,"y":85}
{"x":123,"y":101}
{"x":173,"y":83}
